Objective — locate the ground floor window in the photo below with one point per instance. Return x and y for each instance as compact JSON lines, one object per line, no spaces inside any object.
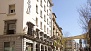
{"x":29,"y":47}
{"x":9,"y":46}
{"x":49,"y":49}
{"x":10,"y":27}
{"x":45,"y":48}
{"x":42,"y":48}
{"x":37,"y":47}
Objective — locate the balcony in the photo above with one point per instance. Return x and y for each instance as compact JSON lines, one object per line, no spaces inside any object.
{"x":48,"y":41}
{"x":45,"y":38}
{"x":41,"y":34}
{"x":41,"y":37}
{"x":54,"y":37}
{"x":37,"y":34}
{"x":29,"y":36}
{"x":30,"y":28}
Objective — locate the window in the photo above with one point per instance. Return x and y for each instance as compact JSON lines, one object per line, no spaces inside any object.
{"x":37,"y":47}
{"x":9,"y":46}
{"x":44,"y":28}
{"x":42,"y":48}
{"x":37,"y":33}
{"x":49,"y":49}
{"x":47,"y":30}
{"x":45,"y":48}
{"x":36,"y":9}
{"x":10,"y":27}
{"x":44,"y":8}
{"x":12,"y":8}
{"x":50,"y":31}
{"x":40,"y":25}
{"x":36,"y":21}
{"x":50,"y":15}
{"x":47,"y":21}
{"x":41,"y":3}
{"x":44,"y":18}
{"x":29,"y":47}
{"x":47,"y":3}
{"x":44,"y":0}
{"x":47,"y":12}
{"x":50,"y":23}
{"x":41,"y":14}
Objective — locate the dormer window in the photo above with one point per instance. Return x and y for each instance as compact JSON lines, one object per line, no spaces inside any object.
{"x":12,"y":8}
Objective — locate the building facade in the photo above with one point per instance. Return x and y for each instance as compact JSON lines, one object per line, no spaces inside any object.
{"x":70,"y":45}
{"x":77,"y":46}
{"x":56,"y":34}
{"x":89,"y":32}
{"x":25,"y":25}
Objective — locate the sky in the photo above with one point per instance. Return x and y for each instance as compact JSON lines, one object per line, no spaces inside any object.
{"x":67,"y":16}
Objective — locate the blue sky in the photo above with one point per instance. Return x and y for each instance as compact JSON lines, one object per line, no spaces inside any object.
{"x":68,"y":16}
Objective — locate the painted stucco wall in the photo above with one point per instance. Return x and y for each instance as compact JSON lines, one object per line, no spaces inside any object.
{"x":31,"y":17}
{"x":22,"y":17}
{"x":4,"y":14}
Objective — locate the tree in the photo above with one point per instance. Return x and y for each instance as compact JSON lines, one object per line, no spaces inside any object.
{"x":85,"y":15}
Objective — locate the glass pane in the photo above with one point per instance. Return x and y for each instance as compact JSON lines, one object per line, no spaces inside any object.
{"x":11,"y":26}
{"x":12,"y":48}
{"x":6,"y":46}
{"x":9,"y":46}
{"x":29,"y":48}
{"x":7,"y":49}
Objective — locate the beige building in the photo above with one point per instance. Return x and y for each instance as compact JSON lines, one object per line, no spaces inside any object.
{"x":57,"y":34}
{"x":70,"y":45}
{"x":25,"y":25}
{"x":77,"y":46}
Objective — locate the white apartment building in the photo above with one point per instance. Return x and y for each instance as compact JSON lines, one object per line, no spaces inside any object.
{"x":25,"y":25}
